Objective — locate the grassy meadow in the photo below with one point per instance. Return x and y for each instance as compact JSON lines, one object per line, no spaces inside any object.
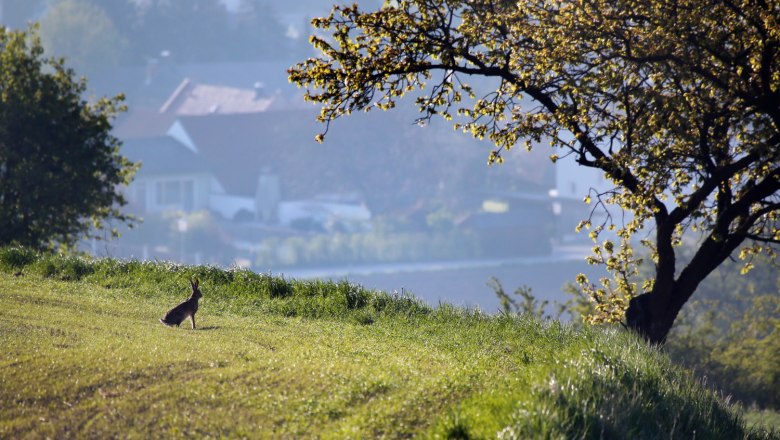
{"x":83,"y":355}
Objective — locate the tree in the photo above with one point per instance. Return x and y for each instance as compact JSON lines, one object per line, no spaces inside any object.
{"x":677,"y":102}
{"x":83,"y":33}
{"x":258,"y":34}
{"x":730,"y":332}
{"x":192,"y":30}
{"x":60,"y":167}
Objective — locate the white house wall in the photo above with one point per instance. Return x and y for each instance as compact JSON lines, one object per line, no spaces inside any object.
{"x":145,"y":189}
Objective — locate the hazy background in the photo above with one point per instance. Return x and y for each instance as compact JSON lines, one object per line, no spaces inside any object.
{"x":231,"y":174}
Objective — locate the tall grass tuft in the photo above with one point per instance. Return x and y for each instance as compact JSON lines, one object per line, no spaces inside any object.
{"x":619,"y":388}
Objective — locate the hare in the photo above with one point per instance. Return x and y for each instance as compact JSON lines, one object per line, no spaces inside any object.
{"x":184,"y":310}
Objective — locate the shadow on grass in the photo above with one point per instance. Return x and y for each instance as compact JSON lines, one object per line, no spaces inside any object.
{"x":210,"y":327}
{"x":188,"y":328}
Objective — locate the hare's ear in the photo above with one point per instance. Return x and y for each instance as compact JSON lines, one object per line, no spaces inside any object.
{"x":195,"y":283}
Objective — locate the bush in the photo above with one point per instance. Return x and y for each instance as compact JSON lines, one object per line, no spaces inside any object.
{"x":14,"y":258}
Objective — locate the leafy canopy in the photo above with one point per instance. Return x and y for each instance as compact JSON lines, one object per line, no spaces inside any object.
{"x":60,"y":167}
{"x":677,"y":102}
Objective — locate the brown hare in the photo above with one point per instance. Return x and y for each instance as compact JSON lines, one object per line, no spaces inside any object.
{"x":184,"y":310}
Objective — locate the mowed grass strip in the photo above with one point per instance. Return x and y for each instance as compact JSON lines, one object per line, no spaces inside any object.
{"x":81,"y":360}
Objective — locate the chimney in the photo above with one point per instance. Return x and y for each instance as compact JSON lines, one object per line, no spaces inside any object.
{"x":151,"y":69}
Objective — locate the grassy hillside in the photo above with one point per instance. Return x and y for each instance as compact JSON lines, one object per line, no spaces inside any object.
{"x":84,"y":356}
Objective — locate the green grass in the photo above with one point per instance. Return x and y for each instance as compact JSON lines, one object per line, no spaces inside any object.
{"x":762,"y":418}
{"x":84,"y":356}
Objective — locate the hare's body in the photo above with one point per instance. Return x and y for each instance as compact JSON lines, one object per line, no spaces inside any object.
{"x":184,"y":310}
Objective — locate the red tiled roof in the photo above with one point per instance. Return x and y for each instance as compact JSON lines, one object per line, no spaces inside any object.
{"x":192,"y":99}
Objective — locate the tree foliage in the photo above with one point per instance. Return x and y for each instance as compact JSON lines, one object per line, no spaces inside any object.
{"x":203,"y":31}
{"x":83,"y":33}
{"x":677,"y":102}
{"x":60,"y":167}
{"x":95,"y":34}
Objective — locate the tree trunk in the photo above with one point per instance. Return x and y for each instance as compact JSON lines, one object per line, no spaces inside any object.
{"x":651,"y":315}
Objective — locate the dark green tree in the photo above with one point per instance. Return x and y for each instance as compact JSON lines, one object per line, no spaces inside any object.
{"x":676,"y":102}
{"x":60,"y":167}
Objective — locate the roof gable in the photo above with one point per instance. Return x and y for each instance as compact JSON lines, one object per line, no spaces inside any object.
{"x":163,"y":156}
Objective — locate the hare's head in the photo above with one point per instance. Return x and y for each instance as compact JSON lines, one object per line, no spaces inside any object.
{"x":195,"y":290}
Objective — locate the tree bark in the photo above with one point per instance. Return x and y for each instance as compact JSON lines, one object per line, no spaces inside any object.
{"x":652,"y":315}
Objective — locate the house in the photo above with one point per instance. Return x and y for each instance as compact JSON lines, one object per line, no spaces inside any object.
{"x":269,"y":167}
{"x":172,"y":177}
{"x":198,"y":99}
{"x":512,"y":223}
{"x":237,"y":165}
{"x":383,"y":156}
{"x":249,"y":158}
{"x":390,"y":162}
{"x":160,"y":92}
{"x":242,"y":118}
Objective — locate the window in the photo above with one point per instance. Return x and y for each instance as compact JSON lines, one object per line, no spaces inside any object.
{"x":169,"y":193}
{"x":176,"y":193}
